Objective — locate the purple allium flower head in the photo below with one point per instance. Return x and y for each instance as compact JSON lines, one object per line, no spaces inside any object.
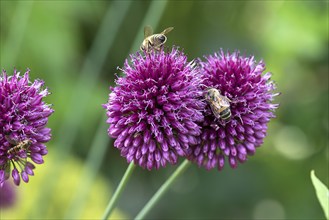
{"x":23,"y":117}
{"x":155,"y":109}
{"x":241,"y":80}
{"x":7,"y":195}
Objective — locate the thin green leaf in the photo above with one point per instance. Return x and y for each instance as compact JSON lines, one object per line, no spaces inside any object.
{"x":322,"y":193}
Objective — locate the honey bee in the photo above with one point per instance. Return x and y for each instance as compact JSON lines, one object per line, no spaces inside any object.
{"x":219,"y":104}
{"x":154,"y":41}
{"x":23,"y":145}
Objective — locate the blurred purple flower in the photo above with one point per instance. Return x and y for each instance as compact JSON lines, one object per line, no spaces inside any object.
{"x":154,"y":110}
{"x":7,"y":195}
{"x":240,"y":79}
{"x":23,"y":117}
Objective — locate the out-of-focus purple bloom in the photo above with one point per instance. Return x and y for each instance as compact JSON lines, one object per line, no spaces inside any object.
{"x":23,"y":131}
{"x":7,"y":195}
{"x":155,"y":109}
{"x":240,"y":79}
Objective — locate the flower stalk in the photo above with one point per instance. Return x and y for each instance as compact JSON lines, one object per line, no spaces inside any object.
{"x":163,"y":189}
{"x":118,"y":191}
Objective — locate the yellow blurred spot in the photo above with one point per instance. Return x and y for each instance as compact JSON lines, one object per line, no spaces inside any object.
{"x":292,"y":143}
{"x":268,"y":209}
{"x":67,"y":181}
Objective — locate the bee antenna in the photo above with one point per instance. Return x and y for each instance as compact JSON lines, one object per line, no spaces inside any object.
{"x":203,"y":85}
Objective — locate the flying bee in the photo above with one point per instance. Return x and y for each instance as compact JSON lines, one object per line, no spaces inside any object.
{"x":219,"y":104}
{"x":154,"y":41}
{"x":23,"y":145}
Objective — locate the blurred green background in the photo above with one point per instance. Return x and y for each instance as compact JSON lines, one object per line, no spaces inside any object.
{"x":76,"y":47}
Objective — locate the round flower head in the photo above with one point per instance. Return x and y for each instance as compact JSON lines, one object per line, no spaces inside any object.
{"x":248,"y":95}
{"x":23,"y":117}
{"x":155,"y":109}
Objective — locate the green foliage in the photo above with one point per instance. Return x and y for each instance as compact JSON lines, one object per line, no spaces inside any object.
{"x":322,"y":193}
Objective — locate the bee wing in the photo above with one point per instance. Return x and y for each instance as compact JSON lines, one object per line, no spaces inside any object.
{"x":27,"y":143}
{"x":11,"y":141}
{"x":148,"y":31}
{"x":215,"y":109}
{"x":225,"y":102}
{"x":229,"y":100}
{"x":167,"y":30}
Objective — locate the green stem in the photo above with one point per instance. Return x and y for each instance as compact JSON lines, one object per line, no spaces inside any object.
{"x":91,"y":168}
{"x":99,"y":145}
{"x":85,"y":85}
{"x":156,"y":197}
{"x":16,"y":33}
{"x":118,"y":191}
{"x":153,"y":17}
